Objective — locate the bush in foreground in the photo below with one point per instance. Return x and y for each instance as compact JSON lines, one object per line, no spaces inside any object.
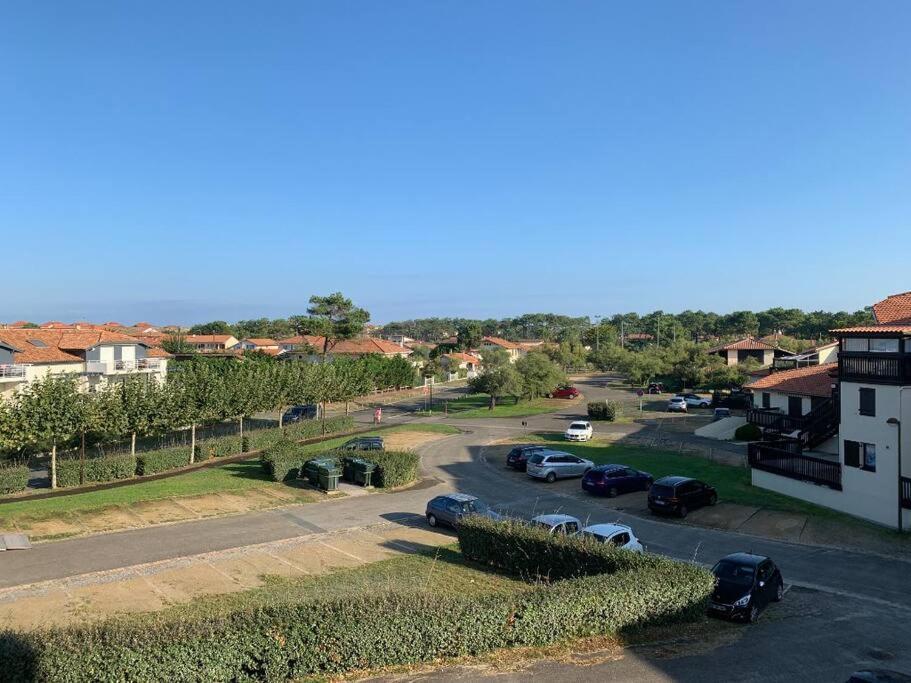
{"x":748,"y":432}
{"x":13,"y":478}
{"x":604,"y":410}
{"x":393,"y":468}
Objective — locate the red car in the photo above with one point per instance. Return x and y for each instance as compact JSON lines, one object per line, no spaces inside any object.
{"x":564,"y":392}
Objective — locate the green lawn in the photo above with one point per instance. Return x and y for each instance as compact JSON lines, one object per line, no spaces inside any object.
{"x":229,"y":477}
{"x":477,"y":405}
{"x":733,"y":483}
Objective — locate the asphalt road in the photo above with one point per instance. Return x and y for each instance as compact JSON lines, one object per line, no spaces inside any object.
{"x":845,"y":609}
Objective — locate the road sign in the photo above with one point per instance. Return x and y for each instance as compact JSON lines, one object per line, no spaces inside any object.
{"x":639,"y":393}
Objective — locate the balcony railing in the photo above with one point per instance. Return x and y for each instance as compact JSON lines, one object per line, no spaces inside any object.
{"x":906,"y":492}
{"x":110,"y":367}
{"x":12,"y":372}
{"x":769,"y":418}
{"x":784,"y":462}
{"x":877,"y":368}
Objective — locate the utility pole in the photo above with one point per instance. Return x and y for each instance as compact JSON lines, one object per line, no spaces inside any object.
{"x":622,"y":333}
{"x":597,"y":333}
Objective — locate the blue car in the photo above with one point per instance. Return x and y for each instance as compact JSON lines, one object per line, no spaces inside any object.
{"x":612,"y":480}
{"x":451,"y":508}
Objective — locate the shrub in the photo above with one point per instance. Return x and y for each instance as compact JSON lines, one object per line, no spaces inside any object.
{"x":393,"y":468}
{"x":604,"y":410}
{"x":748,"y":432}
{"x":283,"y":460}
{"x":221,"y":446}
{"x":533,"y":553}
{"x":13,"y":478}
{"x":97,"y":470}
{"x":331,"y":635}
{"x":308,"y":429}
{"x":152,"y":462}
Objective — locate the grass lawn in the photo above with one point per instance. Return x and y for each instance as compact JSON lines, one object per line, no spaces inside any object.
{"x":476,"y":405}
{"x":234,"y":477}
{"x":733,"y":483}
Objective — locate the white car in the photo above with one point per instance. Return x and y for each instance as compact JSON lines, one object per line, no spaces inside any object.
{"x":579,"y":431}
{"x":618,"y":534}
{"x":557,"y":524}
{"x":677,"y":405}
{"x":695,"y":400}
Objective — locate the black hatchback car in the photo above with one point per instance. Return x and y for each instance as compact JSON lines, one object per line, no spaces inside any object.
{"x":612,"y":480}
{"x":518,"y":457}
{"x":364,"y":443}
{"x":744,"y":585}
{"x":679,"y":495}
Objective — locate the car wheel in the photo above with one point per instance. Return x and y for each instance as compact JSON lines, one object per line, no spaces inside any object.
{"x":612,"y":492}
{"x":753,"y":616}
{"x":713,"y":499}
{"x":432,"y":520}
{"x":682,"y":511}
{"x":550,"y":478}
{"x":779,"y":591}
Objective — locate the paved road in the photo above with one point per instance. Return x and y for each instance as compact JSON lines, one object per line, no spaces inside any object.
{"x":849,"y":603}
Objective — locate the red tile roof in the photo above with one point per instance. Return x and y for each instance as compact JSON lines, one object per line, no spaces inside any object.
{"x":503,"y":343}
{"x":59,"y":345}
{"x":463,"y":357}
{"x":261,"y":341}
{"x":813,"y":380}
{"x":894,"y":309}
{"x":208,"y":338}
{"x":301,"y":339}
{"x":745,"y":344}
{"x":867,"y":329}
{"x":365,"y":346}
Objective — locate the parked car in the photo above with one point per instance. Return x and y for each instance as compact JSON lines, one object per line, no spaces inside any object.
{"x":676,"y":405}
{"x":696,"y":401}
{"x":618,"y":534}
{"x":451,"y":508}
{"x":578,"y":431}
{"x":720,"y":414}
{"x":745,"y":585}
{"x":612,"y":480}
{"x":517,"y":458}
{"x":738,"y":400}
{"x":679,"y":495}
{"x":557,"y":524}
{"x":298,"y":413}
{"x":552,"y":465}
{"x":564,"y":392}
{"x":364,"y":443}
{"x":655,"y":388}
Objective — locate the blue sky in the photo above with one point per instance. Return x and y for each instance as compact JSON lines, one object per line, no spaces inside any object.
{"x":177,"y":162}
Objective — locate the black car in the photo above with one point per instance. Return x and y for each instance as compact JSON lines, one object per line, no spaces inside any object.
{"x":739,"y":400}
{"x":679,"y":495}
{"x":364,"y":443}
{"x":298,"y":413}
{"x":655,"y":388}
{"x":744,"y":585}
{"x":517,"y":458}
{"x":612,"y":480}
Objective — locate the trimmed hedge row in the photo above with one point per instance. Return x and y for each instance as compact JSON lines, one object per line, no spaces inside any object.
{"x":393,"y":468}
{"x":604,"y":410}
{"x":13,"y":478}
{"x":281,"y":641}
{"x":283,"y":460}
{"x":515,"y":547}
{"x":106,"y":468}
{"x":152,"y":462}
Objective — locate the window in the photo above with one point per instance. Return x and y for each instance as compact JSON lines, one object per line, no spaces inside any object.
{"x":765,"y":571}
{"x":860,"y":455}
{"x":884,"y":345}
{"x":857,"y":344}
{"x":620,"y":540}
{"x":867,"y":402}
{"x":766,"y":399}
{"x":570,"y":528}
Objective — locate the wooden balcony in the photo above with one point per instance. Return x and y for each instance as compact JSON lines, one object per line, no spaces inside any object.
{"x":875,"y":368}
{"x":781,"y":459}
{"x":769,"y":418}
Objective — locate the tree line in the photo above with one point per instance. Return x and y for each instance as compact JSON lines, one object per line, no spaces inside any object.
{"x":52,"y":413}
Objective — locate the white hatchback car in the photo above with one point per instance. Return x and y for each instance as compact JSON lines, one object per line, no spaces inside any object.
{"x":557,"y":524}
{"x":579,"y":431}
{"x":618,"y":534}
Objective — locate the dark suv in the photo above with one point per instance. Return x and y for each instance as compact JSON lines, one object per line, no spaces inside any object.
{"x":679,"y":495}
{"x":364,"y":443}
{"x":518,"y":457}
{"x":298,"y":413}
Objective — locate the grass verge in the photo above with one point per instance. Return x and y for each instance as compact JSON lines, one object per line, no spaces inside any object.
{"x":477,"y":405}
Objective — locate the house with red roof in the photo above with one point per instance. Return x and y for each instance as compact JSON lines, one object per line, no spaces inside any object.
{"x":851,"y":451}
{"x":212,"y":343}
{"x":741,"y":350}
{"x":514,"y":349}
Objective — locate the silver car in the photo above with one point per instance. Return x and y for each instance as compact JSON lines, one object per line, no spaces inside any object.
{"x":557,"y":524}
{"x":553,"y":465}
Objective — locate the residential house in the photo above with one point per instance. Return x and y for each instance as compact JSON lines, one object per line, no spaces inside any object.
{"x":302,"y":341}
{"x":870,"y":415}
{"x":740,"y":351}
{"x":264,"y":345}
{"x":514,"y":350}
{"x":96,"y":356}
{"x":212,"y":343}
{"x":351,"y":348}
{"x":461,"y":361}
{"x":818,"y":355}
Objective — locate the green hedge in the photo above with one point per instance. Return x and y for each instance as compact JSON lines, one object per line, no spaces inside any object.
{"x":309,"y":429}
{"x":393,"y":468}
{"x":13,"y":478}
{"x":97,"y":470}
{"x":329,"y":636}
{"x":748,"y":432}
{"x":604,"y":410}
{"x":283,"y":460}
{"x":220,"y":447}
{"x":530,"y":552}
{"x":152,"y":462}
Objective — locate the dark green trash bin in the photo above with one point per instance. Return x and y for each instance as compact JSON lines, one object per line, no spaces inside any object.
{"x":363,"y":471}
{"x":328,"y":475}
{"x":348,"y":469}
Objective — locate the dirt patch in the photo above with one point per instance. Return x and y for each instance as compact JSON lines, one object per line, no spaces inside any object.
{"x":109,"y":519}
{"x":46,"y":529}
{"x":407,"y":440}
{"x":786,"y":526}
{"x":728,"y":516}
{"x":161,"y":511}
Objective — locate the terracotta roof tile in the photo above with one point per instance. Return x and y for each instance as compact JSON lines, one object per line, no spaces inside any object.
{"x":897,"y":328}
{"x":261,"y":341}
{"x":894,"y":309}
{"x":813,"y":380}
{"x":745,"y":344}
{"x":209,"y":338}
{"x":503,"y":343}
{"x":365,"y":346}
{"x":463,"y":357}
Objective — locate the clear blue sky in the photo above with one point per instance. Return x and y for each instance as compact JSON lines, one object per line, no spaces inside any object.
{"x":187,"y":161}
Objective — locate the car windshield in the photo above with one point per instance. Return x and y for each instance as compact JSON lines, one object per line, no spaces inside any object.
{"x":536,"y":459}
{"x":594,"y":537}
{"x":476,"y":506}
{"x":733,"y":572}
{"x":662,"y":491}
{"x":578,"y":425}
